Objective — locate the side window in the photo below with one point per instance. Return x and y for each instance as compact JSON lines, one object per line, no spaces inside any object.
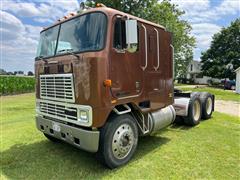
{"x":119,"y":40}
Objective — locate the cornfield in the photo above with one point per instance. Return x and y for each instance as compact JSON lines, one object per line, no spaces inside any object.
{"x":16,"y":85}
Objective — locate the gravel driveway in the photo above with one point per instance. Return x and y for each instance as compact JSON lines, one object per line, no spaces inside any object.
{"x":228,"y":107}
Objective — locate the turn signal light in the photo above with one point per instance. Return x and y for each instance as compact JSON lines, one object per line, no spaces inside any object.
{"x":72,"y":14}
{"x":107,"y":82}
{"x":67,"y":68}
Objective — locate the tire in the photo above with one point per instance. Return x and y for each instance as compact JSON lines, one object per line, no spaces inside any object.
{"x":195,"y":94}
{"x":179,"y":120}
{"x":118,"y":141}
{"x":51,"y":138}
{"x":207,"y":105}
{"x":194,"y":111}
{"x":233,"y":87}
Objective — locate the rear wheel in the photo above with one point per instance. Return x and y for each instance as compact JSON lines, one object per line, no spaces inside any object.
{"x":118,"y":141}
{"x":194,"y":111}
{"x":232,"y":87}
{"x":207,"y":105}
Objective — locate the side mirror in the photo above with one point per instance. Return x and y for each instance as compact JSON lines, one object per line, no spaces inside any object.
{"x":131,"y":35}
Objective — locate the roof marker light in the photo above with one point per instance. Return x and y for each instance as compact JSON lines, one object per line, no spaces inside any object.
{"x":100,"y":5}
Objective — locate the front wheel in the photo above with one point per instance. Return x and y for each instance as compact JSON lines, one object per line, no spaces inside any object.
{"x":118,"y":140}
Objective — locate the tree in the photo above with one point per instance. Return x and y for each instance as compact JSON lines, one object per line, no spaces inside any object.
{"x":135,"y":7}
{"x":166,"y":14}
{"x":30,"y":73}
{"x":2,"y":72}
{"x":223,"y":56}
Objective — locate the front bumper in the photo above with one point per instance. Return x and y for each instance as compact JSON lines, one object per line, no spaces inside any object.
{"x":81,"y":138}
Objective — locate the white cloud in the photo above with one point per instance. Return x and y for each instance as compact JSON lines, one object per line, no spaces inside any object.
{"x":201,"y":11}
{"x":11,"y":26}
{"x":190,"y":5}
{"x":33,"y":31}
{"x":229,"y":7}
{"x":203,"y":17}
{"x":205,"y":28}
{"x":69,"y":5}
{"x":43,"y":20}
{"x":203,"y":33}
{"x":21,"y":8}
{"x":19,"y":41}
{"x":43,"y":10}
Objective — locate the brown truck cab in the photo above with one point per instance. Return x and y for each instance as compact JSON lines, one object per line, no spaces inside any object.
{"x":104,"y":78}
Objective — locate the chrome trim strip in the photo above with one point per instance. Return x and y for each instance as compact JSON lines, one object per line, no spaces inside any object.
{"x":66,"y":106}
{"x":128,"y":97}
{"x":156,"y":67}
{"x":146,"y":59}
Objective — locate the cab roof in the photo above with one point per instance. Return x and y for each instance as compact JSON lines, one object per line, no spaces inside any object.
{"x":109,"y":12}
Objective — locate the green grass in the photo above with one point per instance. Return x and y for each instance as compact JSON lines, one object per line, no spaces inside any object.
{"x":210,"y":150}
{"x":16,"y":85}
{"x":219,"y":93}
{"x":180,"y":84}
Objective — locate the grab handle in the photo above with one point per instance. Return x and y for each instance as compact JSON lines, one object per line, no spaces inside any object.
{"x":146,"y":60}
{"x":156,"y":67}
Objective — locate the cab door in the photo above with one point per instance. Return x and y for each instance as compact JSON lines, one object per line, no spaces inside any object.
{"x":125,"y":67}
{"x":155,"y":72}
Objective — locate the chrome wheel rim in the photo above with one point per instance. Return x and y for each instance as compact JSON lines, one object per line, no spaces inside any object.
{"x":209,"y":105}
{"x":123,"y":140}
{"x":196,"y":110}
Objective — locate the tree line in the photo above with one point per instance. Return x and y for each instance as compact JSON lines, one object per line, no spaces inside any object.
{"x":4,"y":72}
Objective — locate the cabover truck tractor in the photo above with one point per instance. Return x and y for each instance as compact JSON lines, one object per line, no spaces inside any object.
{"x":104,"y":78}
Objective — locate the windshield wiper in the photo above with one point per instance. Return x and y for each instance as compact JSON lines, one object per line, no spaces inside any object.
{"x":68,"y":51}
{"x":41,"y":58}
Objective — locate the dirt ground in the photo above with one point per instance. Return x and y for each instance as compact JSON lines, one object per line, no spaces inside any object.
{"x":228,"y":107}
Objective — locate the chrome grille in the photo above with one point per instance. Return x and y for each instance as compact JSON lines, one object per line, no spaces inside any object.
{"x":60,"y":111}
{"x":57,"y":87}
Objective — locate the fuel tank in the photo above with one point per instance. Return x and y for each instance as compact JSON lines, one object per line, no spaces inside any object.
{"x":162,"y":118}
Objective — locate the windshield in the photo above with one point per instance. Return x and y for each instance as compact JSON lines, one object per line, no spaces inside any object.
{"x":84,"y":33}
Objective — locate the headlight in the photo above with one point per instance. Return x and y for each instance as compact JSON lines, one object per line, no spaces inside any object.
{"x":83,"y":115}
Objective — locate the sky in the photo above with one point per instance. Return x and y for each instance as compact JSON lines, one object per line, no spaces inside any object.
{"x":22,"y":20}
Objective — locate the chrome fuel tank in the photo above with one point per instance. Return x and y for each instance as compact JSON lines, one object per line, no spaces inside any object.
{"x":162,"y":118}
